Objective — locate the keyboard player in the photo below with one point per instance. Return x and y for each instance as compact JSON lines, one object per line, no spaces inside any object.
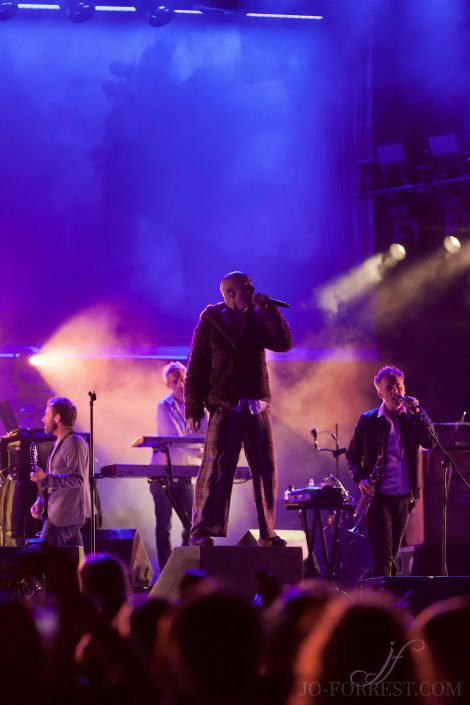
{"x":171,"y":422}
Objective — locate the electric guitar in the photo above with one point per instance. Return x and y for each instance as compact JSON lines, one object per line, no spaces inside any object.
{"x":34,"y":459}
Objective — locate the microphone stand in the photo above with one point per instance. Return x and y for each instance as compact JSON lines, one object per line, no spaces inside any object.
{"x":336,"y":451}
{"x":92,"y":396}
{"x":448,"y":466}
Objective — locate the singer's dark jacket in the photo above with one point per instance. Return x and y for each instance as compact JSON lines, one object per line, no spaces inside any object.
{"x":371,"y":435}
{"x":225,"y":367}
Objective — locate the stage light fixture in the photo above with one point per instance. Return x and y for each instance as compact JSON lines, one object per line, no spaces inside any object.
{"x":390,"y":158}
{"x":452,"y":244}
{"x":397,"y":251}
{"x":158,"y":13}
{"x":37,"y":360}
{"x":405,"y":237}
{"x":7,"y":9}
{"x":390,"y":153}
{"x":443,"y":144}
{"x":79,"y":10}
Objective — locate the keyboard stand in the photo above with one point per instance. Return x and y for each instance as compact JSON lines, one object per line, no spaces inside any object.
{"x":166,"y":483}
{"x":310,"y":535}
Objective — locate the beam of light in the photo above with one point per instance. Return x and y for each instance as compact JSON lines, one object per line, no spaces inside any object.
{"x":127,"y":388}
{"x":127,"y":394}
{"x":57,"y":357}
{"x":349,"y":287}
{"x":417,"y":286}
{"x":452,"y":244}
{"x":51,"y":360}
{"x":307,"y":396}
{"x":188,"y":12}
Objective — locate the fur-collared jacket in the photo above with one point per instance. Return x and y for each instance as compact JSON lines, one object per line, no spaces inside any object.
{"x":226,"y":366}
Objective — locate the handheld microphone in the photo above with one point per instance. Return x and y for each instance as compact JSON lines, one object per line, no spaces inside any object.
{"x":410,"y":402}
{"x":314,"y":434}
{"x":275,"y":302}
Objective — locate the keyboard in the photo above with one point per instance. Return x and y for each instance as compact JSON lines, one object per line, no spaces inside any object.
{"x":314,"y":498}
{"x":157,"y":441}
{"x":177,"y":471}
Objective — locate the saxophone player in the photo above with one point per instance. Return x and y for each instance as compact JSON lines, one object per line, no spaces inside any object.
{"x":394,"y":430}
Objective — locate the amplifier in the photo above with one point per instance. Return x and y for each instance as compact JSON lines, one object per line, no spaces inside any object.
{"x":424,"y":524}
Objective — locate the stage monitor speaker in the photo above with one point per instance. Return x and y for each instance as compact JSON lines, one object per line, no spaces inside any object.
{"x":235,"y":566}
{"x":61,"y":566}
{"x":127,"y":545}
{"x":424,"y":524}
{"x":22,"y":574}
{"x":38,"y":570}
{"x":168,"y":582}
{"x":416,"y":593}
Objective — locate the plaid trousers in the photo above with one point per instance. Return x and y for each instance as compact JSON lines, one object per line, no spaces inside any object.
{"x":228,"y":430}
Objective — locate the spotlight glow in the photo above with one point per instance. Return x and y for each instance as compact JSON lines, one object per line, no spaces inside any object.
{"x":350,"y":286}
{"x":54,"y":360}
{"x":452,"y":244}
{"x":36,"y":360}
{"x":397,"y":250}
{"x":49,"y":360}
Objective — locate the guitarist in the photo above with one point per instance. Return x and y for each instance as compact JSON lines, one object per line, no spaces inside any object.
{"x":66,"y":483}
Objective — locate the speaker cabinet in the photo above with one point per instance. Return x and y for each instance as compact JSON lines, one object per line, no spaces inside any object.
{"x":235,"y":566}
{"x":424,"y":524}
{"x":428,"y":559}
{"x":127,"y":545}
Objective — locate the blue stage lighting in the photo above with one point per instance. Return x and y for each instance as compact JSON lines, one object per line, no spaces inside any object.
{"x":7,"y":9}
{"x":79,"y":10}
{"x":159,"y":14}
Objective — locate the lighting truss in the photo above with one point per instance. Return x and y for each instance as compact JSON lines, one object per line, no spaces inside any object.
{"x":248,"y":8}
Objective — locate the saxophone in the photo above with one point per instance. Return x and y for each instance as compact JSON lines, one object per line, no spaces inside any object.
{"x":364,"y":503}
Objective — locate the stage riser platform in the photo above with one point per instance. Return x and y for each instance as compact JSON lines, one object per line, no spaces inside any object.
{"x":234,"y":566}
